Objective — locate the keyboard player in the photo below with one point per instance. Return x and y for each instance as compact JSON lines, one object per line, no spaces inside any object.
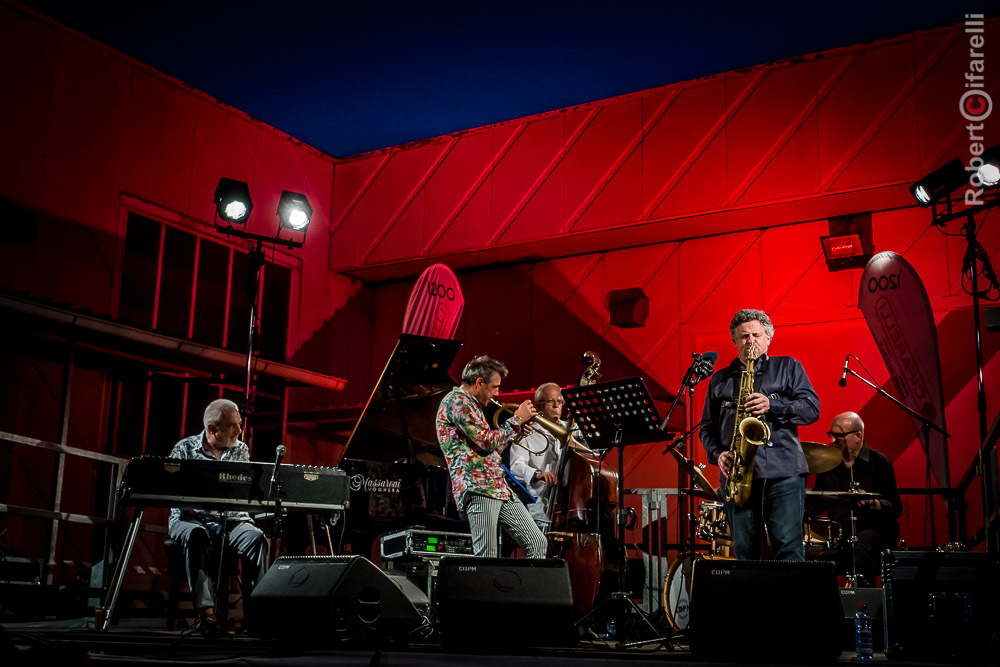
{"x":200,"y":532}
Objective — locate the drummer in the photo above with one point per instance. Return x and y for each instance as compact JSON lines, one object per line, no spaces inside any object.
{"x":866,"y":470}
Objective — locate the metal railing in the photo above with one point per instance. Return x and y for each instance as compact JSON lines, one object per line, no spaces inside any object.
{"x":54,"y":512}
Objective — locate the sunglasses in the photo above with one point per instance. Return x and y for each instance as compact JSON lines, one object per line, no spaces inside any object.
{"x":840,"y":436}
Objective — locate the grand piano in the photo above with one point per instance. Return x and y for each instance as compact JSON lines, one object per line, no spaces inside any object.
{"x":398,"y":476}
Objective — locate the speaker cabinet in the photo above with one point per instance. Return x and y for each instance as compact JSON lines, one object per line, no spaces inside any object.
{"x":320,"y":599}
{"x":628,"y":308}
{"x":941,"y":607}
{"x":505,"y":601}
{"x":765,"y":610}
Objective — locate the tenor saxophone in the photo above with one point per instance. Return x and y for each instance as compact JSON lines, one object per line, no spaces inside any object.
{"x":749,"y":433}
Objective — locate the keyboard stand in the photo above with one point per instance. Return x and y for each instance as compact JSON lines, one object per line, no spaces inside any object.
{"x":103,"y":614}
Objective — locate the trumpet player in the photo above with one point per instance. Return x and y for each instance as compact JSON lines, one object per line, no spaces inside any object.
{"x":782,"y":398}
{"x":536,"y":463}
{"x":472,"y":449}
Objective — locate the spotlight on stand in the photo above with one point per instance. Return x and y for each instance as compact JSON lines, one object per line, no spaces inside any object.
{"x":989,"y":171}
{"x":939,"y":183}
{"x":978,"y":194}
{"x":233,"y":205}
{"x":294,"y":211}
{"x":232,"y":201}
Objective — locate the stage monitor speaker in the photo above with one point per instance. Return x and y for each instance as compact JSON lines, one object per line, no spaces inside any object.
{"x":765,"y":611}
{"x":319,"y":599}
{"x":941,"y":606}
{"x":505,"y":601}
{"x":412,"y":592}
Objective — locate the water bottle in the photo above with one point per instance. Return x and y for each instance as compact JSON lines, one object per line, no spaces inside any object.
{"x":863,"y":634}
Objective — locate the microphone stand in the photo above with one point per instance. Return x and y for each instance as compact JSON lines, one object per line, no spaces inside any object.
{"x":688,"y":466}
{"x":689,"y":381}
{"x":926,"y":426}
{"x":684,"y":383}
{"x":275,"y":492}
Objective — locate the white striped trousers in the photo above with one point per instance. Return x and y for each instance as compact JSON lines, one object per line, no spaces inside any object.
{"x":487,"y":515}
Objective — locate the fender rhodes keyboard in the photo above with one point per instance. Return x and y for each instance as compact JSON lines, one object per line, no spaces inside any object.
{"x":420,"y":543}
{"x":152,"y":481}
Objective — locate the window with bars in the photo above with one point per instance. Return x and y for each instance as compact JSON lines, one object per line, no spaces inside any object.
{"x":184,"y":285}
{"x":187,"y":286}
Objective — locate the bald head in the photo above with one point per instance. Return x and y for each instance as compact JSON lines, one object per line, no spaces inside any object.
{"x":847,"y":431}
{"x":851,"y":421}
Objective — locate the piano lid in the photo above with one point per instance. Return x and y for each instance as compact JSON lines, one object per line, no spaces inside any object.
{"x":397,"y":423}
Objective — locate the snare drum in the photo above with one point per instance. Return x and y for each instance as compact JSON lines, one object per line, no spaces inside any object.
{"x":712,"y":524}
{"x":821,"y":537}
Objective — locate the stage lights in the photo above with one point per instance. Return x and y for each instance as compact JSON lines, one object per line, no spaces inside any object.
{"x":232,"y":201}
{"x":939,"y":183}
{"x":988,"y":173}
{"x":233,"y":206}
{"x":959,"y":189}
{"x":294,"y":211}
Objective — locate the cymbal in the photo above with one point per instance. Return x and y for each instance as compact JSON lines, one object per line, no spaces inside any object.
{"x":850,"y":496}
{"x":702,"y":487}
{"x":821,"y":458}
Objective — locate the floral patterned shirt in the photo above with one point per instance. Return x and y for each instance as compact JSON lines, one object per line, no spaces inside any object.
{"x":471,"y":447}
{"x":193,"y":447}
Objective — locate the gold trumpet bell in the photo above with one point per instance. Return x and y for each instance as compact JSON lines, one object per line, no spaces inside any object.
{"x":561,"y":433}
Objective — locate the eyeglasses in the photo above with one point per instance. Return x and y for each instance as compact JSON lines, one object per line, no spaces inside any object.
{"x":840,"y":436}
{"x":554,"y":401}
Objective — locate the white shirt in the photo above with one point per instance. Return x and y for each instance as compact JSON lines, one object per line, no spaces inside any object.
{"x":523,"y":466}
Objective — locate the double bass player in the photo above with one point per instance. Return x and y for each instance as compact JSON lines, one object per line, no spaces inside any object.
{"x":536,"y":464}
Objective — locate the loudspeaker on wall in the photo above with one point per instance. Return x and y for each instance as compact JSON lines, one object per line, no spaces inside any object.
{"x":628,"y":308}
{"x":319,"y":599}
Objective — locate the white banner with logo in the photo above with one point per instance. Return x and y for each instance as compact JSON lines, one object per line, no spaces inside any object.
{"x":436,"y":304}
{"x":894,"y":302}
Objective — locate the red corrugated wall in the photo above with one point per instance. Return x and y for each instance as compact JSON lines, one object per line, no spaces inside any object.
{"x":710,"y":195}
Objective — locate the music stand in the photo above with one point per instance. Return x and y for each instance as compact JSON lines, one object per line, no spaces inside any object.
{"x":614,"y":415}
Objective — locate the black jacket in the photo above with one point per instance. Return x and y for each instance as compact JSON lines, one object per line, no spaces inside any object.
{"x":794,"y":403}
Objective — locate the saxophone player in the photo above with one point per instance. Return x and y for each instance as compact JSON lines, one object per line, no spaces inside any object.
{"x":777,"y":399}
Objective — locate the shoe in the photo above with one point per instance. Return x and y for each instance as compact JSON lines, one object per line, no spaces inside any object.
{"x":209,"y":628}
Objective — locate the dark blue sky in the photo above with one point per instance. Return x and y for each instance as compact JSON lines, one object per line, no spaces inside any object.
{"x":349,"y":77}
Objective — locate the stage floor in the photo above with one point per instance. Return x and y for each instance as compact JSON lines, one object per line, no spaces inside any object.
{"x":146,"y":641}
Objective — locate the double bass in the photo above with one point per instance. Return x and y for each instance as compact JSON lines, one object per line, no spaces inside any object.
{"x":581,"y":510}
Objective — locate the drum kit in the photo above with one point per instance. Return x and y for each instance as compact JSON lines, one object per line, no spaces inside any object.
{"x":822,"y":537}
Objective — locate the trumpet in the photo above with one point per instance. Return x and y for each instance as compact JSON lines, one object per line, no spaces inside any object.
{"x":562,"y":434}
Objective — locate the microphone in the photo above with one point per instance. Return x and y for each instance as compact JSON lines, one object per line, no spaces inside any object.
{"x":843,"y":376}
{"x":704,"y":366}
{"x":279,"y":453}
